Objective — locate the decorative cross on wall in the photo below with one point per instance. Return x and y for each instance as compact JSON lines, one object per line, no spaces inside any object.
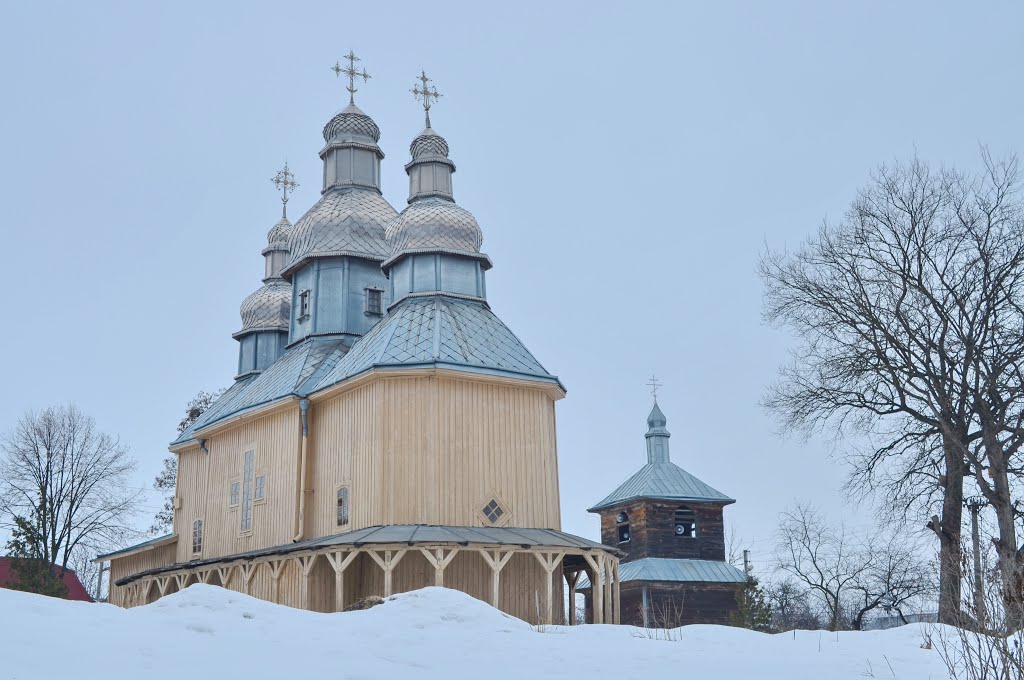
{"x":425,"y":93}
{"x":352,"y":74}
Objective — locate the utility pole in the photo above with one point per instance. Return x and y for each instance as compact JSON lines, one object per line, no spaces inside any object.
{"x":99,"y":581}
{"x":975,"y":504}
{"x":747,"y":569}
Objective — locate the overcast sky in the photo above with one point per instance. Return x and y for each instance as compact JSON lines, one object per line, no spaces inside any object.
{"x":627,"y":162}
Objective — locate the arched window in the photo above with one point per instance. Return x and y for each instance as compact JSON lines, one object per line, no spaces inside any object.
{"x":197,"y":536}
{"x":343,"y":506}
{"x":622,"y":526}
{"x":686,"y":522}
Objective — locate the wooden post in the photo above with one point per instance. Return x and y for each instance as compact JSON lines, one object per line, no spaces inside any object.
{"x":387,"y":564}
{"x":439,"y":561}
{"x":181,"y":579}
{"x":307,"y":562}
{"x":204,"y":576}
{"x":497,"y":563}
{"x":616,"y":591}
{"x":162,"y":582}
{"x":572,"y":578}
{"x":609,"y":599}
{"x":147,"y":590}
{"x":340,"y":564}
{"x":248,"y":570}
{"x":225,"y":575}
{"x":549,"y":561}
{"x":596,"y":586}
{"x":276,"y":567}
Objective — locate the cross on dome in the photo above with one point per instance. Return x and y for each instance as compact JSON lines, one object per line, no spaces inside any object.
{"x":284,"y":181}
{"x":425,"y":93}
{"x":654,"y":384}
{"x":352,"y":74}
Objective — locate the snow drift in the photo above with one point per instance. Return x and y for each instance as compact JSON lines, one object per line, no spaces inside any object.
{"x":209,"y":632}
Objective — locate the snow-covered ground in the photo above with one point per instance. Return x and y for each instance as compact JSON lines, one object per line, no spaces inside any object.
{"x":209,"y":632}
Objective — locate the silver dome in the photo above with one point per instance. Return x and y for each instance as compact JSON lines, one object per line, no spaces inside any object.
{"x":277,"y":237}
{"x":435,"y":224}
{"x":351,"y":121}
{"x":428,"y":143}
{"x":342,"y":222}
{"x":267,"y":309}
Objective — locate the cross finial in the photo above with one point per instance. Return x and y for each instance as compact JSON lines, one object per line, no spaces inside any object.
{"x":352,"y":74}
{"x":284,"y":180}
{"x":654,"y":385}
{"x":425,"y":93}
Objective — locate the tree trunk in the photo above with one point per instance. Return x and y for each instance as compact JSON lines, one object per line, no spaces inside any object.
{"x":1006,"y":545}
{"x":948,"y":532}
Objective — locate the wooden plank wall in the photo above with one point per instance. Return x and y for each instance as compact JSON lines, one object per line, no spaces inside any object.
{"x":429,"y":450}
{"x":204,"y":482}
{"x":133,"y":564}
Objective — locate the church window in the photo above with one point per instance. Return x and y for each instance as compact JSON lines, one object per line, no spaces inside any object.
{"x":374,"y":301}
{"x":686,"y":522}
{"x":493,"y":511}
{"x":247,"y":473}
{"x":343,"y":506}
{"x":197,"y":537}
{"x":236,"y":492}
{"x":303,"y":303}
{"x":261,"y":483}
{"x":622,"y":527}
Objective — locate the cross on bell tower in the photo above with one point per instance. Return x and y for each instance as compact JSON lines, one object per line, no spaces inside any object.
{"x":425,"y":93}
{"x":352,"y":74}
{"x":654,"y":384}
{"x":284,"y":181}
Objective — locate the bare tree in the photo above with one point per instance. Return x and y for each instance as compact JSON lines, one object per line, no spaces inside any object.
{"x":908,"y":319}
{"x":791,"y":606}
{"x":71,"y":480}
{"x":896,"y":578}
{"x":828,"y":560}
{"x":166,"y":481}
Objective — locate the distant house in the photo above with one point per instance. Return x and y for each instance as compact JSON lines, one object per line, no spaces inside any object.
{"x":76,"y":591}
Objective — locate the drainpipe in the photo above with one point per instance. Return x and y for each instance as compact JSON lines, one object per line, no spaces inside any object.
{"x":300,"y":513}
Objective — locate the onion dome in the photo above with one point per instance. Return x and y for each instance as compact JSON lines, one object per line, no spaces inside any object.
{"x":351,"y":122}
{"x":277,"y":237}
{"x":267,"y":309}
{"x":351,"y":215}
{"x":435,"y":225}
{"x":433,"y":222}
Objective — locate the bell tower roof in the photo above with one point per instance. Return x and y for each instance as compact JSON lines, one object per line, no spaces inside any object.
{"x":660,"y":478}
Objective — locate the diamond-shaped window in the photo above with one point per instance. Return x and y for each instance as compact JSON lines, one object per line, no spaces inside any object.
{"x":493,"y":511}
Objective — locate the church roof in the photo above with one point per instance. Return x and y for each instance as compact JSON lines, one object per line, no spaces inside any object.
{"x":268,"y":308}
{"x":435,"y":224}
{"x":665,"y":481}
{"x":439,"y":330}
{"x":421,"y":331}
{"x":349,"y":221}
{"x":675,"y":570}
{"x":291,"y":375}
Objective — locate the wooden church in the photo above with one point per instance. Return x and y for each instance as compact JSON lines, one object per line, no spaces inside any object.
{"x":385,"y":430}
{"x":670,"y":526}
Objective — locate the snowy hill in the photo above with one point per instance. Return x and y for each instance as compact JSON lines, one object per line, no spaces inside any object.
{"x":207,"y":631}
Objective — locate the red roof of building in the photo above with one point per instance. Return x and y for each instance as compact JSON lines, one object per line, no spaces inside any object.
{"x":76,"y":591}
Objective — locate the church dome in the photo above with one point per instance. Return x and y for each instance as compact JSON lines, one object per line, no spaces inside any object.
{"x":428,"y":143}
{"x":342,"y":222}
{"x":351,"y":122}
{"x":267,"y":309}
{"x":435,"y":224}
{"x":277,"y":237}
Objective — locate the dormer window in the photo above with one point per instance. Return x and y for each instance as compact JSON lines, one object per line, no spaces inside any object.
{"x":303,"y":303}
{"x":686,"y":522}
{"x":374,"y":301}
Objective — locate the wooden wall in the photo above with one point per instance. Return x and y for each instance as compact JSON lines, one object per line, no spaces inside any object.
{"x":652,"y":531}
{"x":432,"y":450}
{"x":204,"y":482}
{"x":678,"y":604}
{"x":133,"y":564}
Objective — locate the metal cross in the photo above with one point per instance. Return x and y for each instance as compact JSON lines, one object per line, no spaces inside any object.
{"x":654,"y":384}
{"x":425,"y":94}
{"x":352,"y":74}
{"x":284,"y":180}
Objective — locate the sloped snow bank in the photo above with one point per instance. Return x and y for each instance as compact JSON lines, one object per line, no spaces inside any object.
{"x":209,"y":632}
